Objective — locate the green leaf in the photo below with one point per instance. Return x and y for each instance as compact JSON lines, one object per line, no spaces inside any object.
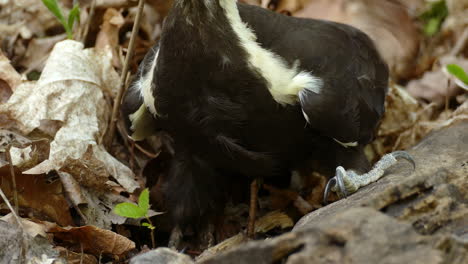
{"x":73,"y":16}
{"x":129,"y":210}
{"x":53,"y":7}
{"x":434,"y":16}
{"x":458,"y":72}
{"x":432,"y":26}
{"x":143,"y":200}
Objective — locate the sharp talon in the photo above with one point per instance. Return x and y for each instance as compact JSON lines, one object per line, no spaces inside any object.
{"x":404,"y":155}
{"x":340,"y":173}
{"x":328,"y":187}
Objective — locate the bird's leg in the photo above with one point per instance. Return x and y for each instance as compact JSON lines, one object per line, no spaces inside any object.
{"x":252,"y":208}
{"x":347,"y":182}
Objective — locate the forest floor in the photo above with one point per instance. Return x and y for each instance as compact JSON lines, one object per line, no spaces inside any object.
{"x":63,"y":169}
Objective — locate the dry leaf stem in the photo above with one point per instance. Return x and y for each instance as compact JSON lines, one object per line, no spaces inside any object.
{"x":13,"y":178}
{"x":123,"y":77}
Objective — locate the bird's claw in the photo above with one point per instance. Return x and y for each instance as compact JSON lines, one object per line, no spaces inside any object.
{"x":405,"y":156}
{"x":336,"y":182}
{"x":347,"y":182}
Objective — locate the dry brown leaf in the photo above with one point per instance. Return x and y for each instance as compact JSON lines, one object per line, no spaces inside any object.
{"x":23,"y":20}
{"x":402,"y":113}
{"x":42,"y":199}
{"x":386,"y":22}
{"x":70,"y":90}
{"x":434,"y":86}
{"x":290,"y":6}
{"x":75,"y":257}
{"x":93,"y":239}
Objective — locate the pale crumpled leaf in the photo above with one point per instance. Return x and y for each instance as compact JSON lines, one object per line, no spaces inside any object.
{"x":20,"y":156}
{"x":29,"y":227}
{"x":70,"y":90}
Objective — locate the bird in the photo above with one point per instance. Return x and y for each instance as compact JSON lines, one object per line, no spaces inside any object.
{"x":245,"y":92}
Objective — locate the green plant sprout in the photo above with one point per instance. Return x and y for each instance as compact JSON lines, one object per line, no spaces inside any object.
{"x":458,"y":72}
{"x":67,"y":24}
{"x":137,"y":211}
{"x":434,"y":17}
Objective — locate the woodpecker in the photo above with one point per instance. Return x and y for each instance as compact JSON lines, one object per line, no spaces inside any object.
{"x":246,"y":92}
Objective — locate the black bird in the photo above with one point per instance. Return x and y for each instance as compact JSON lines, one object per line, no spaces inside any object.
{"x":245,"y":91}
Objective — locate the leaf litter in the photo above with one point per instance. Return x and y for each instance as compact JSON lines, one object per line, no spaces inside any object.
{"x":54,"y":127}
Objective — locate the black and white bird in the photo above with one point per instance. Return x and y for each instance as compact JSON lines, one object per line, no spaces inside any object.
{"x":245,"y":92}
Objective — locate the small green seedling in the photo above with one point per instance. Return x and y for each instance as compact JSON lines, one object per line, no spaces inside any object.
{"x":137,"y":211}
{"x":73,"y":16}
{"x":434,"y":17}
{"x":458,"y":72}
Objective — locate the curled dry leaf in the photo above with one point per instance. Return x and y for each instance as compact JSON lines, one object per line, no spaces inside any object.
{"x":70,"y":90}
{"x":387,"y":22}
{"x":93,"y":239}
{"x":37,"y":196}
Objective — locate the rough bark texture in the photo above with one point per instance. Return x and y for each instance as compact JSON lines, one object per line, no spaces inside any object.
{"x":406,"y":217}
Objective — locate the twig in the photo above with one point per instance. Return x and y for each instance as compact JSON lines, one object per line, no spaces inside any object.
{"x":13,"y":178}
{"x":252,"y":209}
{"x":85,"y":29}
{"x":5,"y":199}
{"x":123,"y":78}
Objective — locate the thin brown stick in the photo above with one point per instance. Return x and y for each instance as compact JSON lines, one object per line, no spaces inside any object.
{"x":153,"y":242}
{"x":5,"y":199}
{"x":123,"y":78}
{"x":252,"y":209}
{"x":13,"y":178}
{"x":85,"y":29}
